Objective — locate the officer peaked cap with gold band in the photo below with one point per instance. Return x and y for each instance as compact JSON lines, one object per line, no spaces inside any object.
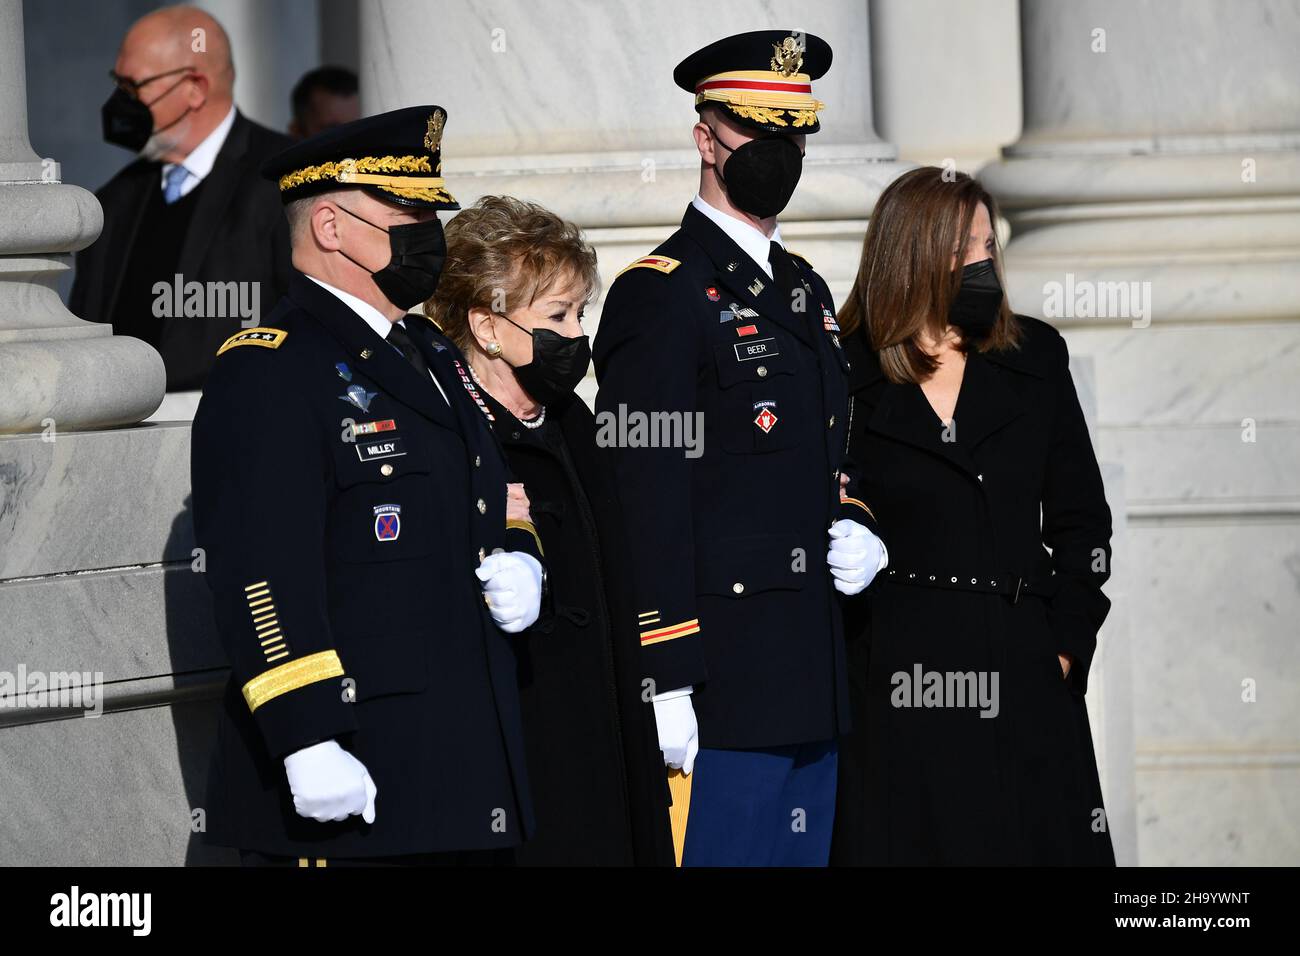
{"x":763,"y":80}
{"x":394,"y":156}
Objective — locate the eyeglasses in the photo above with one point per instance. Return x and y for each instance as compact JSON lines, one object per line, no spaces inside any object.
{"x":132,"y":87}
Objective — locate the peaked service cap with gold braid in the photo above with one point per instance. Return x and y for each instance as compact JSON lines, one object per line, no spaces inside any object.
{"x":762,"y":79}
{"x":395,"y":156}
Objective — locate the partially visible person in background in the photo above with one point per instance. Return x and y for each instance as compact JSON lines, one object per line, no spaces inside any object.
{"x":513,"y":288}
{"x":191,"y":209}
{"x":324,"y":98}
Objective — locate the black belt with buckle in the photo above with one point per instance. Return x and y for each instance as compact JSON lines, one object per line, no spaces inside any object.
{"x":1011,"y":586}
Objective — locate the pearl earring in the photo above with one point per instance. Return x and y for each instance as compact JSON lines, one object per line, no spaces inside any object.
{"x":494,"y":348}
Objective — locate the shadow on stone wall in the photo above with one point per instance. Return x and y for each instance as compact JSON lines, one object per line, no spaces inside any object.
{"x":191,"y":636}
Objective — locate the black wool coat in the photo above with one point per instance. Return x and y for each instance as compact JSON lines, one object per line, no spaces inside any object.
{"x":999,"y":542}
{"x":597,"y":775}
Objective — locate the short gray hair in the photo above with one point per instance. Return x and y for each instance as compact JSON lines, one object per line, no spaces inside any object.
{"x":298,"y":212}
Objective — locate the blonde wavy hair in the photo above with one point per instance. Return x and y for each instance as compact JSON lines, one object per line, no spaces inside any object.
{"x":505,"y":250}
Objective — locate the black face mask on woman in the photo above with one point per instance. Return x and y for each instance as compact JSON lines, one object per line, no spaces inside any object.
{"x":559,"y":364}
{"x":978,"y":302}
{"x":418,"y":251}
{"x":761,"y":174}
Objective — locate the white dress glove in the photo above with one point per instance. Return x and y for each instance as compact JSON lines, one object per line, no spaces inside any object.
{"x":855,"y":556}
{"x":679,"y":734}
{"x":512,"y":585}
{"x":328,"y":783}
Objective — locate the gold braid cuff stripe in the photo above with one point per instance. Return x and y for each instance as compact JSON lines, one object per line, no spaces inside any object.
{"x":297,"y":673}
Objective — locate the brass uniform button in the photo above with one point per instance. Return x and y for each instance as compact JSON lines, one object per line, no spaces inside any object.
{"x":738,"y":588}
{"x":762,"y":371}
{"x":831,"y":423}
{"x":482,"y":507}
{"x":385,"y":470}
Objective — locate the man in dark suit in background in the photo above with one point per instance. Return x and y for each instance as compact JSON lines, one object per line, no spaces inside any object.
{"x":323,"y":98}
{"x":194,"y":242}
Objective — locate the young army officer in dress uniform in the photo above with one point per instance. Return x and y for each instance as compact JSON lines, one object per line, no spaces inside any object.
{"x":738,"y":617}
{"x":352,"y":504}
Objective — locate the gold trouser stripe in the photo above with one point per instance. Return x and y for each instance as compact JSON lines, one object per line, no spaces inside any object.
{"x":861,"y":504}
{"x":297,"y":673}
{"x":679,"y":786}
{"x":527,"y":526}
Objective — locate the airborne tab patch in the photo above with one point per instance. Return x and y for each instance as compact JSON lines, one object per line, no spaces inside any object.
{"x":662,"y":264}
{"x":267,"y":338}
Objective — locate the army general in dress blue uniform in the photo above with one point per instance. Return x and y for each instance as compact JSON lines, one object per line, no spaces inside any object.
{"x":352,"y":504}
{"x":739,"y":551}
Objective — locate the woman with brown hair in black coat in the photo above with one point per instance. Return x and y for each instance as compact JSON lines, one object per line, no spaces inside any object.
{"x":971,"y":742}
{"x":512,"y":294}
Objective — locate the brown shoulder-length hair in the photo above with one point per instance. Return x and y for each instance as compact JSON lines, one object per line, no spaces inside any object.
{"x":906,"y":282}
{"x":503,"y":249}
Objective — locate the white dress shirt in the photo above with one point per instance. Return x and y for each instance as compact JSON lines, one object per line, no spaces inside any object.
{"x":202,"y":158}
{"x":751,"y":240}
{"x":381,"y":324}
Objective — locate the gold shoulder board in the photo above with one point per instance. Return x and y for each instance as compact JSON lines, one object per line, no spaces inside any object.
{"x":660,"y":263}
{"x":267,"y":338}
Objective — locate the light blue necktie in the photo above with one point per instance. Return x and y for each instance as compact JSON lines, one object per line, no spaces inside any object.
{"x":175,"y":178}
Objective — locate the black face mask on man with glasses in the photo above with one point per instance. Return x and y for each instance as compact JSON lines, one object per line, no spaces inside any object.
{"x":128,"y":121}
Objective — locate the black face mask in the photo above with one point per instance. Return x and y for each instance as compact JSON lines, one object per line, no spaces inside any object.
{"x":762,"y":174}
{"x":559,"y":364}
{"x":128,"y":122}
{"x":978,"y":302}
{"x":418,"y":252}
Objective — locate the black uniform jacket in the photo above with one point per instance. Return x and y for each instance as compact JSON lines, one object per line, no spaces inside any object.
{"x":594,"y":763}
{"x":728,"y":541}
{"x":238,"y":234}
{"x":999,"y":542}
{"x":340,"y":547}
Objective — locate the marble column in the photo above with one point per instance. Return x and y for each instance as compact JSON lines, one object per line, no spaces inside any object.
{"x":573,"y":106}
{"x":98,"y":582}
{"x":57,"y":372}
{"x":273,"y":44}
{"x":1153,"y":198}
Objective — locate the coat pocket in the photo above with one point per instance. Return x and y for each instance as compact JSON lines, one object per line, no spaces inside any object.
{"x":384,"y":510}
{"x":759,"y":397}
{"x":742,"y":567}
